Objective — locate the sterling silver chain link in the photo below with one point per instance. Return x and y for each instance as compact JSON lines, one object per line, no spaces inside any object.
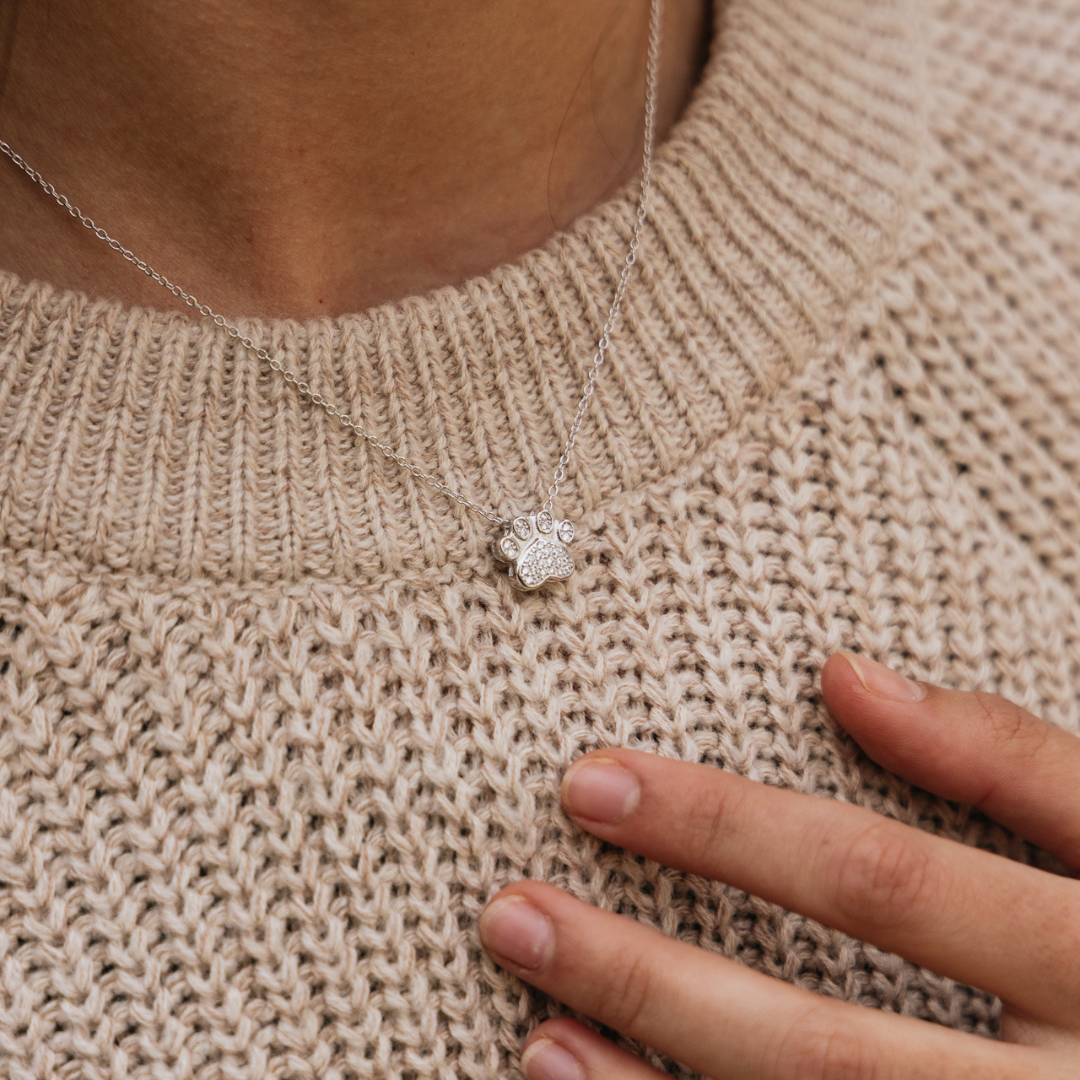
{"x":540,"y":555}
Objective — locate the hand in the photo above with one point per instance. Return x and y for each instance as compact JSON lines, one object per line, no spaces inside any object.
{"x":1004,"y":927}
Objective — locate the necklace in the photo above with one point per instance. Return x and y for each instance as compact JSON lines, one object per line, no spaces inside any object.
{"x":533,"y":547}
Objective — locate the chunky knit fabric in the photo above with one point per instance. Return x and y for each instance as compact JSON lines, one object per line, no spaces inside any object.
{"x":271,"y":731}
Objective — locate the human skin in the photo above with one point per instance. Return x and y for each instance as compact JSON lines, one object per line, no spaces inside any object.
{"x":310,"y":158}
{"x":315,"y":157}
{"x":986,"y":921}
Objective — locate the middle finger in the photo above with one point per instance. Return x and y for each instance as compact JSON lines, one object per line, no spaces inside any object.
{"x":962,"y":912}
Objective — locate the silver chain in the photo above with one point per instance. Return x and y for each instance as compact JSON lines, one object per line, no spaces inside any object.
{"x":651,"y":82}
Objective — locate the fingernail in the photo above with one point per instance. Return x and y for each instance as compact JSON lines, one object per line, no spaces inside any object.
{"x":883,"y":682}
{"x":516,"y":930}
{"x":599,"y":790}
{"x":547,"y":1060}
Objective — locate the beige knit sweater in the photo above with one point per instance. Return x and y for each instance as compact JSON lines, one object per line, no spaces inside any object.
{"x":271,"y":733}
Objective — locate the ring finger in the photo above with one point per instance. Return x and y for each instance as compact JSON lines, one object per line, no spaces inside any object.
{"x":716,"y":1016}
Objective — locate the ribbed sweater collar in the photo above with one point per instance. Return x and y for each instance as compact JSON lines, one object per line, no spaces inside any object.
{"x":144,"y":440}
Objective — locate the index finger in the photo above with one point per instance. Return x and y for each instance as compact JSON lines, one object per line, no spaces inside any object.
{"x":975,"y":748}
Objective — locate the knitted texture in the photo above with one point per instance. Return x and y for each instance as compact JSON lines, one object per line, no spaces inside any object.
{"x":271,"y":732}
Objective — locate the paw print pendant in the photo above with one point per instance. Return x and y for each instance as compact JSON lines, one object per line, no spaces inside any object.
{"x":534,"y":549}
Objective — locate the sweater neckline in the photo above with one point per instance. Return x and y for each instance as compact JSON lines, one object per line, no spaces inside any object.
{"x":136,"y":439}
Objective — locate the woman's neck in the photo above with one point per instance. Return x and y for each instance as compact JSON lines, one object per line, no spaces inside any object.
{"x":305,"y":158}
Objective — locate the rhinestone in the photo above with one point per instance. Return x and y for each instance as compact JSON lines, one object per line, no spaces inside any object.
{"x":509,"y":547}
{"x":522,"y":528}
{"x":566,"y":531}
{"x":544,"y":560}
{"x":544,"y":521}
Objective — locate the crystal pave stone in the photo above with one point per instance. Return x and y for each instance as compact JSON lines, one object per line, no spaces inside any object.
{"x":531,"y":553}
